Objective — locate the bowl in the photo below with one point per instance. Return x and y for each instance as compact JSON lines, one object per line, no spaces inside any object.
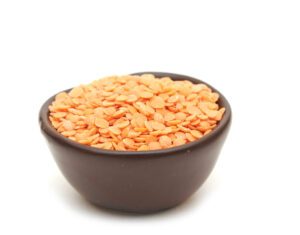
{"x":141,"y":182}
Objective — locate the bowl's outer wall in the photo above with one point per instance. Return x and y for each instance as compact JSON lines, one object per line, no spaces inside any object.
{"x":137,"y":184}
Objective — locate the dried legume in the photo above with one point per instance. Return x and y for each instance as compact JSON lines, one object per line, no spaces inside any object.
{"x":136,"y":113}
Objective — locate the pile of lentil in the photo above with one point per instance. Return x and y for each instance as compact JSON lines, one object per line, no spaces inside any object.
{"x":136,"y":113}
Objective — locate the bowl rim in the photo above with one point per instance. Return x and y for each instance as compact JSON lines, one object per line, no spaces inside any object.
{"x":48,"y":129}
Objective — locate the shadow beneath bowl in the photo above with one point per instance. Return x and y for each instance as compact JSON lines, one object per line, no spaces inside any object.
{"x":72,"y":199}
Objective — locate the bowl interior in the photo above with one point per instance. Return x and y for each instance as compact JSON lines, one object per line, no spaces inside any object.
{"x":47,"y":127}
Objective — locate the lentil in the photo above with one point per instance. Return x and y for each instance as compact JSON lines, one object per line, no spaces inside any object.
{"x":136,"y":113}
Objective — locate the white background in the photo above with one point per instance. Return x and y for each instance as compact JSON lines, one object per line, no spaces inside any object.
{"x":249,"y":50}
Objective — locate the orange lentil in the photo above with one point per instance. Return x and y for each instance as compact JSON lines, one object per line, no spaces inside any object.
{"x":179,"y":141}
{"x":156,"y":133}
{"x":180,"y":116}
{"x":109,"y":111}
{"x":173,"y":122}
{"x":157,"y":102}
{"x":165,"y":141}
{"x":119,"y":113}
{"x":148,"y":126}
{"x":114,"y":130}
{"x":122,"y":98}
{"x":102,"y":123}
{"x":196,"y":134}
{"x":128,"y":142}
{"x":158,"y":117}
{"x":145,"y":94}
{"x":167,"y":130}
{"x":68,"y":125}
{"x":157,"y":125}
{"x":143,"y":148}
{"x":173,"y":98}
{"x":133,"y":134}
{"x":190,"y":137}
{"x":154,"y":146}
{"x":136,"y":113}
{"x":169,"y":116}
{"x":68,"y":133}
{"x":132,"y":98}
{"x":180,"y":135}
{"x":193,"y":110}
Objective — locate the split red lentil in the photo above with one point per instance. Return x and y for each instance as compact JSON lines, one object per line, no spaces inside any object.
{"x":136,"y":113}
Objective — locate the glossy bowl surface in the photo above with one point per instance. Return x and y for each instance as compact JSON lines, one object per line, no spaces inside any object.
{"x":142,"y":182}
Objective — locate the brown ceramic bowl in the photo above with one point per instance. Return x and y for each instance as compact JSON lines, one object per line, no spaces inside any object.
{"x":142,"y":182}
